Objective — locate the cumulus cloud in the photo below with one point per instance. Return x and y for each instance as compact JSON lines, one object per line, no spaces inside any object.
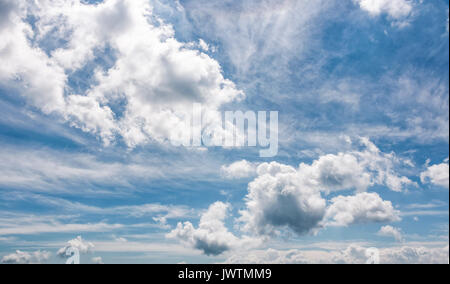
{"x":238,"y":170}
{"x":97,"y":260}
{"x":26,"y":68}
{"x":415,"y":255}
{"x":77,"y":243}
{"x":212,"y":237}
{"x":396,"y":9}
{"x":154,"y":78}
{"x":282,"y":196}
{"x":362,"y":208}
{"x":352,"y":254}
{"x":270,"y":256}
{"x":389,"y":231}
{"x":357,"y":170}
{"x":277,"y":199}
{"x":21,"y":257}
{"x":356,"y":254}
{"x":437,"y":175}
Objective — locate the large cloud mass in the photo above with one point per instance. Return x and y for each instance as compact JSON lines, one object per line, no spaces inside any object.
{"x":146,"y":95}
{"x":285,"y":197}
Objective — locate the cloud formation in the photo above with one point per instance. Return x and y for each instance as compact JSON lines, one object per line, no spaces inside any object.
{"x":396,"y":9}
{"x":389,"y":231}
{"x":437,"y":175}
{"x":352,"y":254}
{"x":362,"y":208}
{"x":277,"y":198}
{"x":21,"y":257}
{"x":211,"y":237}
{"x":284,"y":197}
{"x":77,"y":243}
{"x":154,"y":78}
{"x":239,"y":170}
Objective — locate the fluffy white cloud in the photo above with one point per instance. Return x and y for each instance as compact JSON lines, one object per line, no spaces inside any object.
{"x":437,"y":175}
{"x":415,"y":255}
{"x":277,"y":198}
{"x":389,"y":231}
{"x":353,"y":254}
{"x":394,"y":8}
{"x":25,"y":68}
{"x":362,"y":208}
{"x":284,"y":197}
{"x":21,"y":257}
{"x":396,"y":255}
{"x":78,"y":243}
{"x":355,"y":170}
{"x":155,"y":79}
{"x":211,"y":236}
{"x":97,"y":260}
{"x":270,"y":256}
{"x":239,"y":170}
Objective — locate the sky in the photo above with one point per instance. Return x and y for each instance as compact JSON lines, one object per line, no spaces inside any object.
{"x":93,"y":92}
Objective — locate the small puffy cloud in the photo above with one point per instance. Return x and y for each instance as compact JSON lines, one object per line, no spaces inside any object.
{"x":239,"y":170}
{"x":389,"y":231}
{"x":362,"y":208}
{"x":78,"y":243}
{"x":97,"y":260}
{"x":437,"y":175}
{"x":212,"y":237}
{"x":396,"y":9}
{"x":20,"y":257}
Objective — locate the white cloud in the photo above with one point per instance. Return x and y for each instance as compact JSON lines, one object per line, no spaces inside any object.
{"x":437,"y":175}
{"x":396,"y":9}
{"x":21,"y":257}
{"x":415,"y":255}
{"x":33,"y":169}
{"x":211,"y":237}
{"x":277,"y":198}
{"x":78,"y":243}
{"x":278,"y":29}
{"x":26,"y":68}
{"x":389,"y":231}
{"x":28,"y":228}
{"x":270,"y":256}
{"x":407,"y":254}
{"x":239,"y":170}
{"x":97,"y":260}
{"x":353,"y":254}
{"x":155,"y":77}
{"x":284,"y":197}
{"x":362,"y":208}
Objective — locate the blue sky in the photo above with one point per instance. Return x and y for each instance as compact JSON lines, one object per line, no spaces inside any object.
{"x":90,"y":90}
